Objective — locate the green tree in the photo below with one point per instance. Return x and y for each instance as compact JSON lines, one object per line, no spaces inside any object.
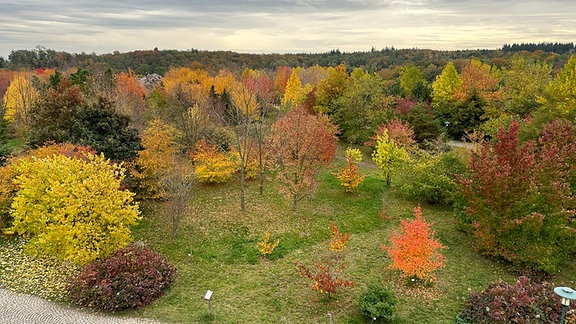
{"x":525,"y":81}
{"x":560,"y":93}
{"x":72,"y":208}
{"x":410,"y":78}
{"x":387,"y":155}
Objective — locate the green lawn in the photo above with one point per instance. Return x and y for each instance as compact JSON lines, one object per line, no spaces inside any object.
{"x":216,"y":249}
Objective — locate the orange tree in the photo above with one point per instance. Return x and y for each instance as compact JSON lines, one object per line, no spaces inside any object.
{"x":414,"y":251}
{"x":299,"y":144}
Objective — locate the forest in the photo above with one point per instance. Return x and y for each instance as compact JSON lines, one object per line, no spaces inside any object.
{"x":392,"y":186}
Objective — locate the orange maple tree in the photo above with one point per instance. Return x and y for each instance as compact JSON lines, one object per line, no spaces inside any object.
{"x":414,"y":251}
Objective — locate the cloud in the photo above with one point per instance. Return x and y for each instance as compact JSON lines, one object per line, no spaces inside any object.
{"x":265,"y":26}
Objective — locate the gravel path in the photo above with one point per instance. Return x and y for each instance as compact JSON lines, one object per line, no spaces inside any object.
{"x":25,"y":309}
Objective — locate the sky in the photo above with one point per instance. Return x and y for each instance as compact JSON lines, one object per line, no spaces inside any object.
{"x":281,"y":26}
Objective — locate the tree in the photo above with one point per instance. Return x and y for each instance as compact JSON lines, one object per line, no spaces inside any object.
{"x":300,"y":143}
{"x":331,"y":88}
{"x":519,"y":200}
{"x":413,"y":250}
{"x":294,"y":94}
{"x":19,"y":100}
{"x":410,"y":78}
{"x":129,"y":99}
{"x":73,"y":209}
{"x":446,"y":84}
{"x":525,"y":81}
{"x":560,"y":93}
{"x":350,"y":176}
{"x":97,"y":125}
{"x":387,"y":155}
{"x":161,"y":144}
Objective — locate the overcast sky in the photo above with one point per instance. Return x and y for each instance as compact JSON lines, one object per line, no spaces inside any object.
{"x":280,"y":26}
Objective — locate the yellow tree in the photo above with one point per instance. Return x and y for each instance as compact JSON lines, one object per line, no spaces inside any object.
{"x":293,"y":94}
{"x":560,"y":94}
{"x":73,"y":209}
{"x":19,"y":100}
{"x":446,"y":84}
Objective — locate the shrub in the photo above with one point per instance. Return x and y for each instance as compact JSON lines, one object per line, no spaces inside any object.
{"x":133,"y":277}
{"x":522,"y":302}
{"x":429,"y":177}
{"x":266,"y":247}
{"x":212,"y":165}
{"x":378,"y":303}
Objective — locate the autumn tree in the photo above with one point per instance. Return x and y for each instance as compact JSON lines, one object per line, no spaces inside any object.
{"x":71,"y":208}
{"x":129,"y":99}
{"x":387,"y":155}
{"x":350,"y":176}
{"x":525,"y":82}
{"x":362,"y":106}
{"x":414,"y":251}
{"x":211,"y":164}
{"x":331,"y":88}
{"x":410,"y":78}
{"x":299,"y":144}
{"x":446,"y":84}
{"x":560,"y":93}
{"x":19,"y":101}
{"x":328,"y":273}
{"x":519,"y":199}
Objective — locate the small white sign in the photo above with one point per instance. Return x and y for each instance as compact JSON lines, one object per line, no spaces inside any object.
{"x":208,"y":295}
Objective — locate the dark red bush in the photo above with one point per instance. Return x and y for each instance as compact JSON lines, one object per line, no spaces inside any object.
{"x":523,"y":302}
{"x":133,"y":277}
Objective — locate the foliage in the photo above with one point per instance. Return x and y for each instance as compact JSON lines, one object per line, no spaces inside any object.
{"x":414,"y":251}
{"x":410,"y":77}
{"x":298,"y":144}
{"x":100,"y":127}
{"x":162,"y":147}
{"x":525,"y":82}
{"x":429,"y":177}
{"x":378,"y":303}
{"x":265,"y":247}
{"x":71,"y":208}
{"x":9,"y":172}
{"x":331,"y":88}
{"x":19,"y":100}
{"x":133,"y":277}
{"x":520,"y":203}
{"x":338,"y":240}
{"x":401,"y":133}
{"x":522,"y":302}
{"x":387,"y":155}
{"x":211,"y":165}
{"x":45,"y":276}
{"x":350,"y":176}
{"x":560,"y":93}
{"x":446,"y":84}
{"x":326,"y":277}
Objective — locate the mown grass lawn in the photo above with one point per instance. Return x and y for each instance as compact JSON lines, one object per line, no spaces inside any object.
{"x":216,"y":249}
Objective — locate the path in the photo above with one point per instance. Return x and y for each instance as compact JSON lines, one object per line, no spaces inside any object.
{"x":26,"y":309}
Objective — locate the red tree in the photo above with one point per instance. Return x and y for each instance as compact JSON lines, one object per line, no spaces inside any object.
{"x":299,"y":144}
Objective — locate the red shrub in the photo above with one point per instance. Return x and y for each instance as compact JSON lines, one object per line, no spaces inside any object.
{"x":133,"y":277}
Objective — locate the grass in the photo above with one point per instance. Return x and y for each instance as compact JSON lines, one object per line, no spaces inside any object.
{"x":216,"y":249}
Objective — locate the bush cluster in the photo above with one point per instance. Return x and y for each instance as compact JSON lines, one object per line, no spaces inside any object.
{"x":522,"y":302}
{"x":133,"y":277}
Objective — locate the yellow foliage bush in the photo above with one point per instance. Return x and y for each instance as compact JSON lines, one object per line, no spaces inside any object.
{"x":350,"y":176}
{"x":266,"y":247}
{"x":72,"y":208}
{"x":212,"y":166}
